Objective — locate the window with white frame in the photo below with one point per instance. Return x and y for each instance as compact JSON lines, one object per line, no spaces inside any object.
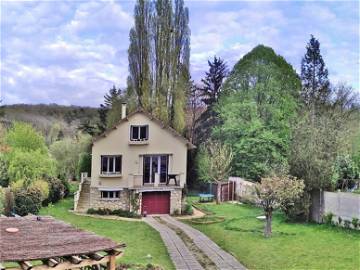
{"x":139,"y":133}
{"x":111,"y":164}
{"x":110,"y":194}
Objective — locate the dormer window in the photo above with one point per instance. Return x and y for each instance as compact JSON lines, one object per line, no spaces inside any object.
{"x":139,"y":133}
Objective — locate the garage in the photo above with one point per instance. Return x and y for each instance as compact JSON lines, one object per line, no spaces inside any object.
{"x":155,"y":203}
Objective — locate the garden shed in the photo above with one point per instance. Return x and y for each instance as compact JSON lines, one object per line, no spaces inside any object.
{"x":44,"y":243}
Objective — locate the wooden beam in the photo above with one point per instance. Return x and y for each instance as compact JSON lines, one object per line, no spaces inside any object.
{"x":111,"y":264}
{"x":74,"y":259}
{"x":95,"y":256}
{"x":25,"y":265}
{"x":51,"y":262}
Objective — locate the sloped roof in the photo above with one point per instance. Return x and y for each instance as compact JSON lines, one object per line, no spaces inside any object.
{"x":152,"y":118}
{"x":47,"y":238}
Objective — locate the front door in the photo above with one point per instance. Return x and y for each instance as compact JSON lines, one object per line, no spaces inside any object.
{"x":155,"y":164}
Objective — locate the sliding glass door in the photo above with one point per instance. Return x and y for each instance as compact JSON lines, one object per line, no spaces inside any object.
{"x":155,"y":164}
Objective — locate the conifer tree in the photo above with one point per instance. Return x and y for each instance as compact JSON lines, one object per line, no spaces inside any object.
{"x":314,"y":76}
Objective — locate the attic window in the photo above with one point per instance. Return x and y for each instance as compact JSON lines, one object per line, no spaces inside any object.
{"x":139,"y":133}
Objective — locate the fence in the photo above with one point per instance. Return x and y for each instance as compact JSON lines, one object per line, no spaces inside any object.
{"x":342,"y":204}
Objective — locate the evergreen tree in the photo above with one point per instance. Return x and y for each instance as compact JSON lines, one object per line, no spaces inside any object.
{"x":314,"y":75}
{"x":213,"y":81}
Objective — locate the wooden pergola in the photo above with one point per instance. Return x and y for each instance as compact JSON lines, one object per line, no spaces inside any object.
{"x":44,"y":243}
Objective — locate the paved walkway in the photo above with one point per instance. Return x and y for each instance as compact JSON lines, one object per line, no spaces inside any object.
{"x":222,"y":259}
{"x":181,"y":256}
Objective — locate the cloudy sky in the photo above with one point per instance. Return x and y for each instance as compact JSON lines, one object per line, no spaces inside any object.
{"x":72,"y":52}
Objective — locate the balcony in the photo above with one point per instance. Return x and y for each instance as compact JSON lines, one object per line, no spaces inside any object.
{"x":136,"y":181}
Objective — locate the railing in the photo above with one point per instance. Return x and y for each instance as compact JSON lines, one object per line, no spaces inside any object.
{"x":136,"y":180}
{"x":77,"y":194}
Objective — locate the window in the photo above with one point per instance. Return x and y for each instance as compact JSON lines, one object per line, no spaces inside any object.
{"x":110,"y":164}
{"x":139,"y":133}
{"x":113,"y":194}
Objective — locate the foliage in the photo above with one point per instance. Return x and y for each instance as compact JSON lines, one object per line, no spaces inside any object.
{"x":116,"y":212}
{"x":27,"y":201}
{"x":256,"y":110}
{"x":211,"y":89}
{"x":340,"y":220}
{"x":347,"y":223}
{"x":159,"y":59}
{"x":29,"y":165}
{"x":4,"y":177}
{"x":188,"y":210}
{"x":9,"y":202}
{"x":328,"y":217}
{"x":314,"y":75}
{"x":84,"y":164}
{"x":277,"y":192}
{"x":67,"y":153}
{"x":42,"y":186}
{"x":213,"y":162}
{"x":345,"y":172}
{"x":24,"y":137}
{"x":355,"y":222}
{"x":57,"y":190}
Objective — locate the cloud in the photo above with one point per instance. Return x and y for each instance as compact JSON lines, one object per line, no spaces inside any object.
{"x":72,"y":52}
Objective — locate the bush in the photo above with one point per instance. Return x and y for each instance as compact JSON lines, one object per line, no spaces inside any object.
{"x":328,"y":218}
{"x":117,"y":212}
{"x":27,"y":201}
{"x":347,"y":224}
{"x":57,"y":190}
{"x":339,"y":221}
{"x":84,"y":164}
{"x":9,"y":202}
{"x":4,"y":177}
{"x":355,"y":222}
{"x":43,"y":186}
{"x":188,"y":210}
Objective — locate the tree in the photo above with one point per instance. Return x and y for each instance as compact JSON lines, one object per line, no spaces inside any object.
{"x":159,"y":59}
{"x":23,"y":136}
{"x":314,"y":76}
{"x":214,"y":78}
{"x":210,"y":93}
{"x":275,"y":192}
{"x":214,"y":164}
{"x":256,"y":110}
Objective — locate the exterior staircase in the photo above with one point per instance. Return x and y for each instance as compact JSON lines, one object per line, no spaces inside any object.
{"x":82,"y":196}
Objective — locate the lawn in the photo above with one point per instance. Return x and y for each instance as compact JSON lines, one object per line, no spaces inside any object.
{"x":293,"y":245}
{"x":140,"y":239}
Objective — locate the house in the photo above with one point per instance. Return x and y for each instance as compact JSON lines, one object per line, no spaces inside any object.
{"x":138,"y":165}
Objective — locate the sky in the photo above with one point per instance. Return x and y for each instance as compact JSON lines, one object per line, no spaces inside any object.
{"x":73,"y":52}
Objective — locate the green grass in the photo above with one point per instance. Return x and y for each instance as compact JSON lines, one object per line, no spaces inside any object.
{"x":293,"y":245}
{"x":138,"y":236}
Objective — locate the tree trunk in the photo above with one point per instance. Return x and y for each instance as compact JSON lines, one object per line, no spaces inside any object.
{"x":218,"y":193}
{"x":268,"y":230}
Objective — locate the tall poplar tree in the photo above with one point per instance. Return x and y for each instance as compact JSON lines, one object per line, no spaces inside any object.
{"x":314,"y":76}
{"x":159,"y":54}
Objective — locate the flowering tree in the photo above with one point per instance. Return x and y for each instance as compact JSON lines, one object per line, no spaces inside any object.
{"x":277,"y":192}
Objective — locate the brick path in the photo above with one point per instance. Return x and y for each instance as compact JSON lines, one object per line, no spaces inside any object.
{"x":222,"y":259}
{"x":181,"y":256}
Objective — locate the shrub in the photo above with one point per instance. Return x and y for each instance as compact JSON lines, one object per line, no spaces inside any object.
{"x":188,"y":210}
{"x":4,"y":177}
{"x":355,"y":222}
{"x":84,"y":164}
{"x":9,"y":202}
{"x":116,"y":212}
{"x":339,"y":221}
{"x":27,"y":201}
{"x":56,"y":190}
{"x":328,"y":218}
{"x":42,"y":186}
{"x":347,"y":223}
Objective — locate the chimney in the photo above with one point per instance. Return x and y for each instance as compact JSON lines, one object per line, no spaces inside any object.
{"x":123,"y":110}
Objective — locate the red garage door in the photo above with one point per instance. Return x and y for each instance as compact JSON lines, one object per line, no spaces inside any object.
{"x":155,"y":203}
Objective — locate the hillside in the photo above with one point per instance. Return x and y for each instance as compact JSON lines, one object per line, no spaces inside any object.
{"x":45,"y":117}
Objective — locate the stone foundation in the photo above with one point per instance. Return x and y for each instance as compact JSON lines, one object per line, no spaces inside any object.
{"x":123,"y":202}
{"x":175,"y":201}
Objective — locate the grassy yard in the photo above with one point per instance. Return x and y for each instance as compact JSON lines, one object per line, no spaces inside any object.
{"x":293,"y":245}
{"x":139,"y":237}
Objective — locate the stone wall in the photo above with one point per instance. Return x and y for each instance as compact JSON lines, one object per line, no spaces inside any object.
{"x":175,"y":200}
{"x":123,"y":202}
